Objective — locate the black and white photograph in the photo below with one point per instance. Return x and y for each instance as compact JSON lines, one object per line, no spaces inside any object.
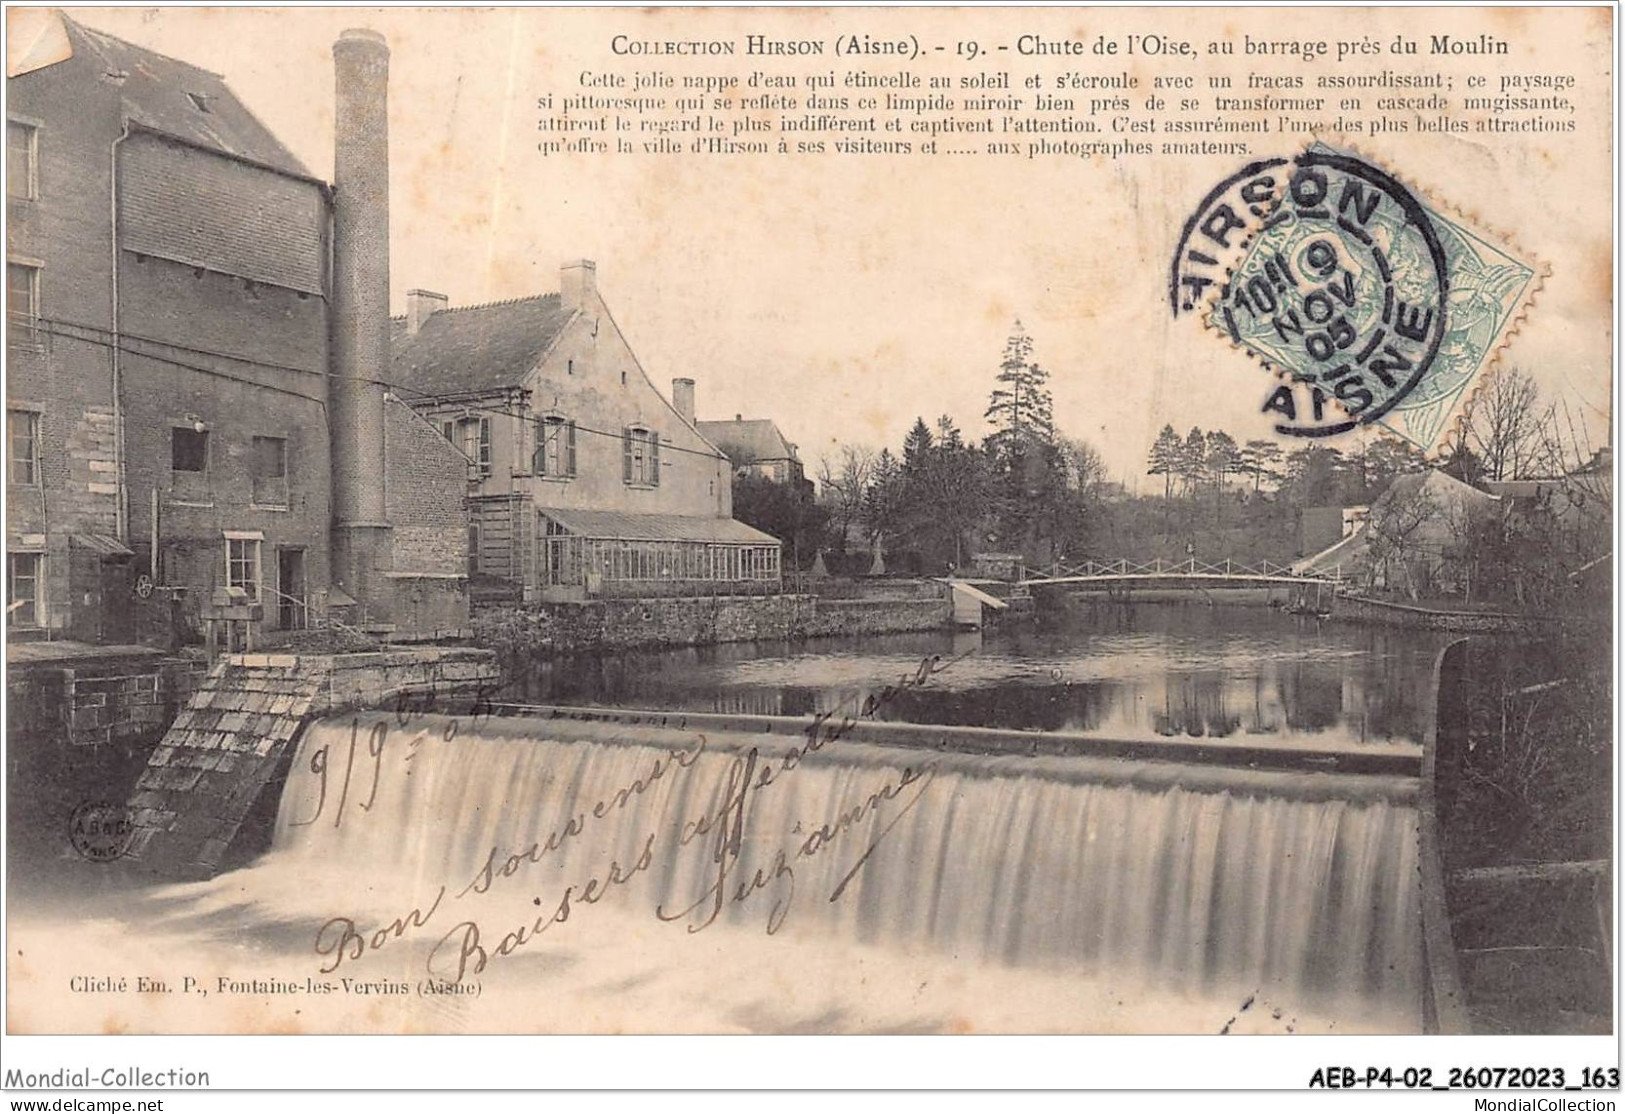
{"x":864,"y":522}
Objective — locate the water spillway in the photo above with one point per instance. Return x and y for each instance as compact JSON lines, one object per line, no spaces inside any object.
{"x":1221,"y":886}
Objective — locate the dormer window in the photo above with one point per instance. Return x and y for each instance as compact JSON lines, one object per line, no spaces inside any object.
{"x":200,"y":101}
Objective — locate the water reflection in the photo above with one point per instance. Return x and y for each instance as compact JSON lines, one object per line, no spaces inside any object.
{"x":1165,"y":669}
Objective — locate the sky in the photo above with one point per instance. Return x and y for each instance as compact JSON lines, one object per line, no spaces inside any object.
{"x":842,"y":296}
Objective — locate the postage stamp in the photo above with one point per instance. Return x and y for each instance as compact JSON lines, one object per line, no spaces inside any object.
{"x":1370,"y":305}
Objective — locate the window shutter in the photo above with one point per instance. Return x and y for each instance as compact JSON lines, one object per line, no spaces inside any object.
{"x":569,"y":448}
{"x":538,"y":456}
{"x":654,"y":458}
{"x":626,"y":455}
{"x":485,"y":446}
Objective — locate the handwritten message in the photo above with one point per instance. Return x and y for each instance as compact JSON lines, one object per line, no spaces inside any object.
{"x":468,"y":946}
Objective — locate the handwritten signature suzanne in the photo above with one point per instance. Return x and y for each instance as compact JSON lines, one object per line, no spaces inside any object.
{"x":462,"y":951}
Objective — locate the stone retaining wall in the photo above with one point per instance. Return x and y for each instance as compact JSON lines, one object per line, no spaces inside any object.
{"x":1356,"y":609}
{"x":622,"y":624}
{"x":96,"y":702}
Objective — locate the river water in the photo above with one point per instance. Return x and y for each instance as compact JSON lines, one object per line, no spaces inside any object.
{"x":521,"y":874}
{"x":1189,"y":670}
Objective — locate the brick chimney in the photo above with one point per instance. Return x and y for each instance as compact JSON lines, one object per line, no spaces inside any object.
{"x":682,"y":397}
{"x":420,"y":306}
{"x":360,"y":316}
{"x":578,"y":284}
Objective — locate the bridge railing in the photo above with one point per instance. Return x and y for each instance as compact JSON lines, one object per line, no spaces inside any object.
{"x":1188,"y":567}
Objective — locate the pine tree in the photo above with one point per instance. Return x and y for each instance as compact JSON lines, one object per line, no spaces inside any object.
{"x":1260,"y":458}
{"x":917,"y":447}
{"x":1020,"y":408}
{"x":1223,"y":456}
{"x":1193,"y":458}
{"x":1021,"y":452}
{"x":1164,"y":459}
{"x":883,"y":501}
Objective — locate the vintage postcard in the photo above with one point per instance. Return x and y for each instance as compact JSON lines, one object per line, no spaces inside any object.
{"x":811,"y":521}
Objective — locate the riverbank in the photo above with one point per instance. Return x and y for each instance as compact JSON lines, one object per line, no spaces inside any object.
{"x":582,"y":627}
{"x":1361,"y":609}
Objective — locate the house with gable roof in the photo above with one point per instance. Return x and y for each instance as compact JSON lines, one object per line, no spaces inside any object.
{"x":757,"y":447}
{"x":587,"y":481}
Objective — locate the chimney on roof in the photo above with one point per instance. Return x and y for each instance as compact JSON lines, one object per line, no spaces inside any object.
{"x":739,"y":417}
{"x":682,"y":397}
{"x":362,"y":548}
{"x":578,"y":284}
{"x":420,"y":306}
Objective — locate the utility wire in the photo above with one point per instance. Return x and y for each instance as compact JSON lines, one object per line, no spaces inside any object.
{"x":59,"y":327}
{"x":173,"y":362}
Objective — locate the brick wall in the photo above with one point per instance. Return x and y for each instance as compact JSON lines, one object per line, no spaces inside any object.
{"x":241,"y":356}
{"x":242,"y":275}
{"x":426,"y":495}
{"x":68,"y":380}
{"x":426,"y":500}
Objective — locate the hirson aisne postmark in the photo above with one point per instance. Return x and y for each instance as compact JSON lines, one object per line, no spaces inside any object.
{"x":1370,"y":306}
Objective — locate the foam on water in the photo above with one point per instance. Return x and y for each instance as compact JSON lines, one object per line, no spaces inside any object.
{"x":1211,"y":894}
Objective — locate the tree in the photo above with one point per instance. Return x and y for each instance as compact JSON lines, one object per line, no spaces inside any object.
{"x":917,"y":446}
{"x":1085,"y":467}
{"x":1020,"y":409}
{"x":787,"y":511}
{"x":1503,"y":424}
{"x":1223,"y":456}
{"x":1396,"y":544}
{"x":1383,"y":461}
{"x":1078,"y":513}
{"x":1024,"y":472}
{"x":883,"y":501}
{"x":947,"y":495}
{"x":1316,"y":475}
{"x":1259,"y":458}
{"x":842,"y":484}
{"x":1193,"y":459}
{"x":1164,"y":459}
{"x":1460,"y":461}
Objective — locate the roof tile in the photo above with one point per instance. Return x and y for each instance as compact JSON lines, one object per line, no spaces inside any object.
{"x":476,"y":348}
{"x":181,"y":99}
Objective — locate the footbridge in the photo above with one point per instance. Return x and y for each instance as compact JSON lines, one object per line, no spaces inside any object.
{"x":1126,"y":575}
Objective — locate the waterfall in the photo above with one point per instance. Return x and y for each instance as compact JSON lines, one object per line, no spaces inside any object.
{"x":1301,"y":888}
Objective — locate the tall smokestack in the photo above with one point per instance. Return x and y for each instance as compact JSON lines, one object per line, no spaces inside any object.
{"x":360,"y":310}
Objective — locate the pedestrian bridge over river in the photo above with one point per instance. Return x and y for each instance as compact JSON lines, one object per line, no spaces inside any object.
{"x":1123,"y":575}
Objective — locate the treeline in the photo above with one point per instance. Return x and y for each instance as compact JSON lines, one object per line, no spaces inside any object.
{"x":1311,"y":475}
{"x":939,"y":499}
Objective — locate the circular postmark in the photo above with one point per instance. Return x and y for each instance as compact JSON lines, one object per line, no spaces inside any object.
{"x":1340,"y":285}
{"x":101,"y":831}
